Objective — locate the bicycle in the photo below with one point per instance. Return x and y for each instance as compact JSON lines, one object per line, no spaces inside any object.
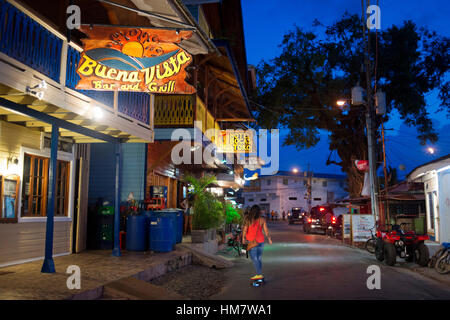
{"x":235,"y":241}
{"x":371,"y":243}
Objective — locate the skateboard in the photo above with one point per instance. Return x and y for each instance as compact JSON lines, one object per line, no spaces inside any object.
{"x":258,"y":282}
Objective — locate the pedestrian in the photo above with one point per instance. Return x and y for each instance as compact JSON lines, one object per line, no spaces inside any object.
{"x":276,"y":215}
{"x":284,"y":215}
{"x":188,"y":205}
{"x":328,"y":220}
{"x":254,"y":237}
{"x":272,"y":213}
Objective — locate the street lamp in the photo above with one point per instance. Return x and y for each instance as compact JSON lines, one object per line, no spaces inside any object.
{"x":295,"y":170}
{"x":341,"y":103}
{"x":431,"y":150}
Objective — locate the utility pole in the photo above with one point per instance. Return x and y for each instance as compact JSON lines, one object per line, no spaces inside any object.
{"x":386,"y":202}
{"x":309,"y":189}
{"x":369,"y":118}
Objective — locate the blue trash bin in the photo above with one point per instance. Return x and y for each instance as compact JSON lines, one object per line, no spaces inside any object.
{"x":137,"y":233}
{"x":177,"y":215}
{"x":172,"y":214}
{"x":161,"y":232}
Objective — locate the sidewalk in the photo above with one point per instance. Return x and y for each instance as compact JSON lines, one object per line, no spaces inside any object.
{"x":430,"y":273}
{"x":98,"y":268}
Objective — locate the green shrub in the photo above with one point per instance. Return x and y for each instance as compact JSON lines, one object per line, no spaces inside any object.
{"x":208,"y":209}
{"x":233,"y":215}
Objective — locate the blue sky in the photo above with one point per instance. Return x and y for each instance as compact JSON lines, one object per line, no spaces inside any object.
{"x":266,"y":21}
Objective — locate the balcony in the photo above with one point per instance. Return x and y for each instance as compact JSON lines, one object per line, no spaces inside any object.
{"x":31,"y":50}
{"x":183,"y":111}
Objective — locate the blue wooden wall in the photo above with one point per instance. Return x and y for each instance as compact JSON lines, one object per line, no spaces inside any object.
{"x":102,"y":171}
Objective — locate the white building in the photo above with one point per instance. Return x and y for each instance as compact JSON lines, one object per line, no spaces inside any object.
{"x":435,"y":176}
{"x":286,"y":190}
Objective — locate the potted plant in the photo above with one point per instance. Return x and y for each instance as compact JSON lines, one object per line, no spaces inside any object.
{"x":208,"y":210}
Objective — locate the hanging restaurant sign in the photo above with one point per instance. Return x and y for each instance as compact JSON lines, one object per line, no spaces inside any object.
{"x":234,"y":141}
{"x":134,"y":59}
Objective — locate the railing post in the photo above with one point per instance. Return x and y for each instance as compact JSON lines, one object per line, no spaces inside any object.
{"x":152,"y":115}
{"x":116,"y":102}
{"x":118,"y":152}
{"x":63,"y":70}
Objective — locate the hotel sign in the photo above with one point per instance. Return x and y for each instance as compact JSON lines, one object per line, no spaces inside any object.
{"x":234,"y":141}
{"x":135,"y":60}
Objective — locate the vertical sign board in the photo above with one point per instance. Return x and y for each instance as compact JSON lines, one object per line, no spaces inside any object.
{"x":361,"y":225}
{"x":234,"y":141}
{"x":134,"y":60}
{"x":444,"y":205}
{"x":347,"y":226}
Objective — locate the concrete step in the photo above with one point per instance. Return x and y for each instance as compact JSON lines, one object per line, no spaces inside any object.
{"x":204,"y":258}
{"x":135,"y":289}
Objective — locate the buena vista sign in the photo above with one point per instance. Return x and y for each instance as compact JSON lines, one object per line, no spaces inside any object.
{"x":134,"y":59}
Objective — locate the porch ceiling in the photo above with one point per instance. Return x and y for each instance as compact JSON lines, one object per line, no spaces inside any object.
{"x":32,"y":103}
{"x":232,"y":100}
{"x":176,"y":11}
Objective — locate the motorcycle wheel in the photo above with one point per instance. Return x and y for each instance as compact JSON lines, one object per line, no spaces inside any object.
{"x":379,"y":250}
{"x":422,"y":255}
{"x":443,"y":264}
{"x":371,"y":245}
{"x":390,"y":254}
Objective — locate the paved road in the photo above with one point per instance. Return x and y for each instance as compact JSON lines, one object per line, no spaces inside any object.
{"x":303,"y":266}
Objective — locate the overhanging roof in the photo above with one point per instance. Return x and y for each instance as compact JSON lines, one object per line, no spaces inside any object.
{"x":176,"y":11}
{"x":229,"y":65}
{"x":429,"y":166}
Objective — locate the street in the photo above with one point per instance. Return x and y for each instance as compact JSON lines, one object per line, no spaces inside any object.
{"x":309,"y":266}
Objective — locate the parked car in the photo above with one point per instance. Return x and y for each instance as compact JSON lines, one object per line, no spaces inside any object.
{"x":296,"y":215}
{"x":315,"y":220}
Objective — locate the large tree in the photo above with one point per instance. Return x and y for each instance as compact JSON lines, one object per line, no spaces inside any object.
{"x":299,"y":88}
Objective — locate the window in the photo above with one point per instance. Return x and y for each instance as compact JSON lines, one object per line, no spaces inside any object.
{"x":9,"y":189}
{"x":250,"y":200}
{"x":285,"y":181}
{"x":269,"y":182}
{"x":292,"y":198}
{"x":34,"y":190}
{"x":305,"y":182}
{"x":263,"y":200}
{"x":63,"y":145}
{"x":341,"y":184}
{"x":317,"y":199}
{"x":62,"y":188}
{"x":431,"y":206}
{"x":324,"y":183}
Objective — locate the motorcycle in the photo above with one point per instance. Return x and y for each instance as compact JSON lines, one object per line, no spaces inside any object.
{"x":407,"y":245}
{"x":441,"y":259}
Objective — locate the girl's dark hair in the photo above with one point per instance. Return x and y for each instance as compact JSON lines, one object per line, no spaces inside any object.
{"x":254,"y":214}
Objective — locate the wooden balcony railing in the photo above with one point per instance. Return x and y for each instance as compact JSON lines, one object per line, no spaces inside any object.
{"x":181,"y":111}
{"x":29,"y":40}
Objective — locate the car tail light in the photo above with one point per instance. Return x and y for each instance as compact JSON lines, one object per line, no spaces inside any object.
{"x":333,"y":220}
{"x":309,"y":220}
{"x":321,"y":209}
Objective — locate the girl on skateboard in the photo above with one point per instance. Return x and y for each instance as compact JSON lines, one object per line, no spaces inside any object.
{"x":254,"y":237}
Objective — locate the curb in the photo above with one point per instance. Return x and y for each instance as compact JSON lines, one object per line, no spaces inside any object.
{"x":172,"y":264}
